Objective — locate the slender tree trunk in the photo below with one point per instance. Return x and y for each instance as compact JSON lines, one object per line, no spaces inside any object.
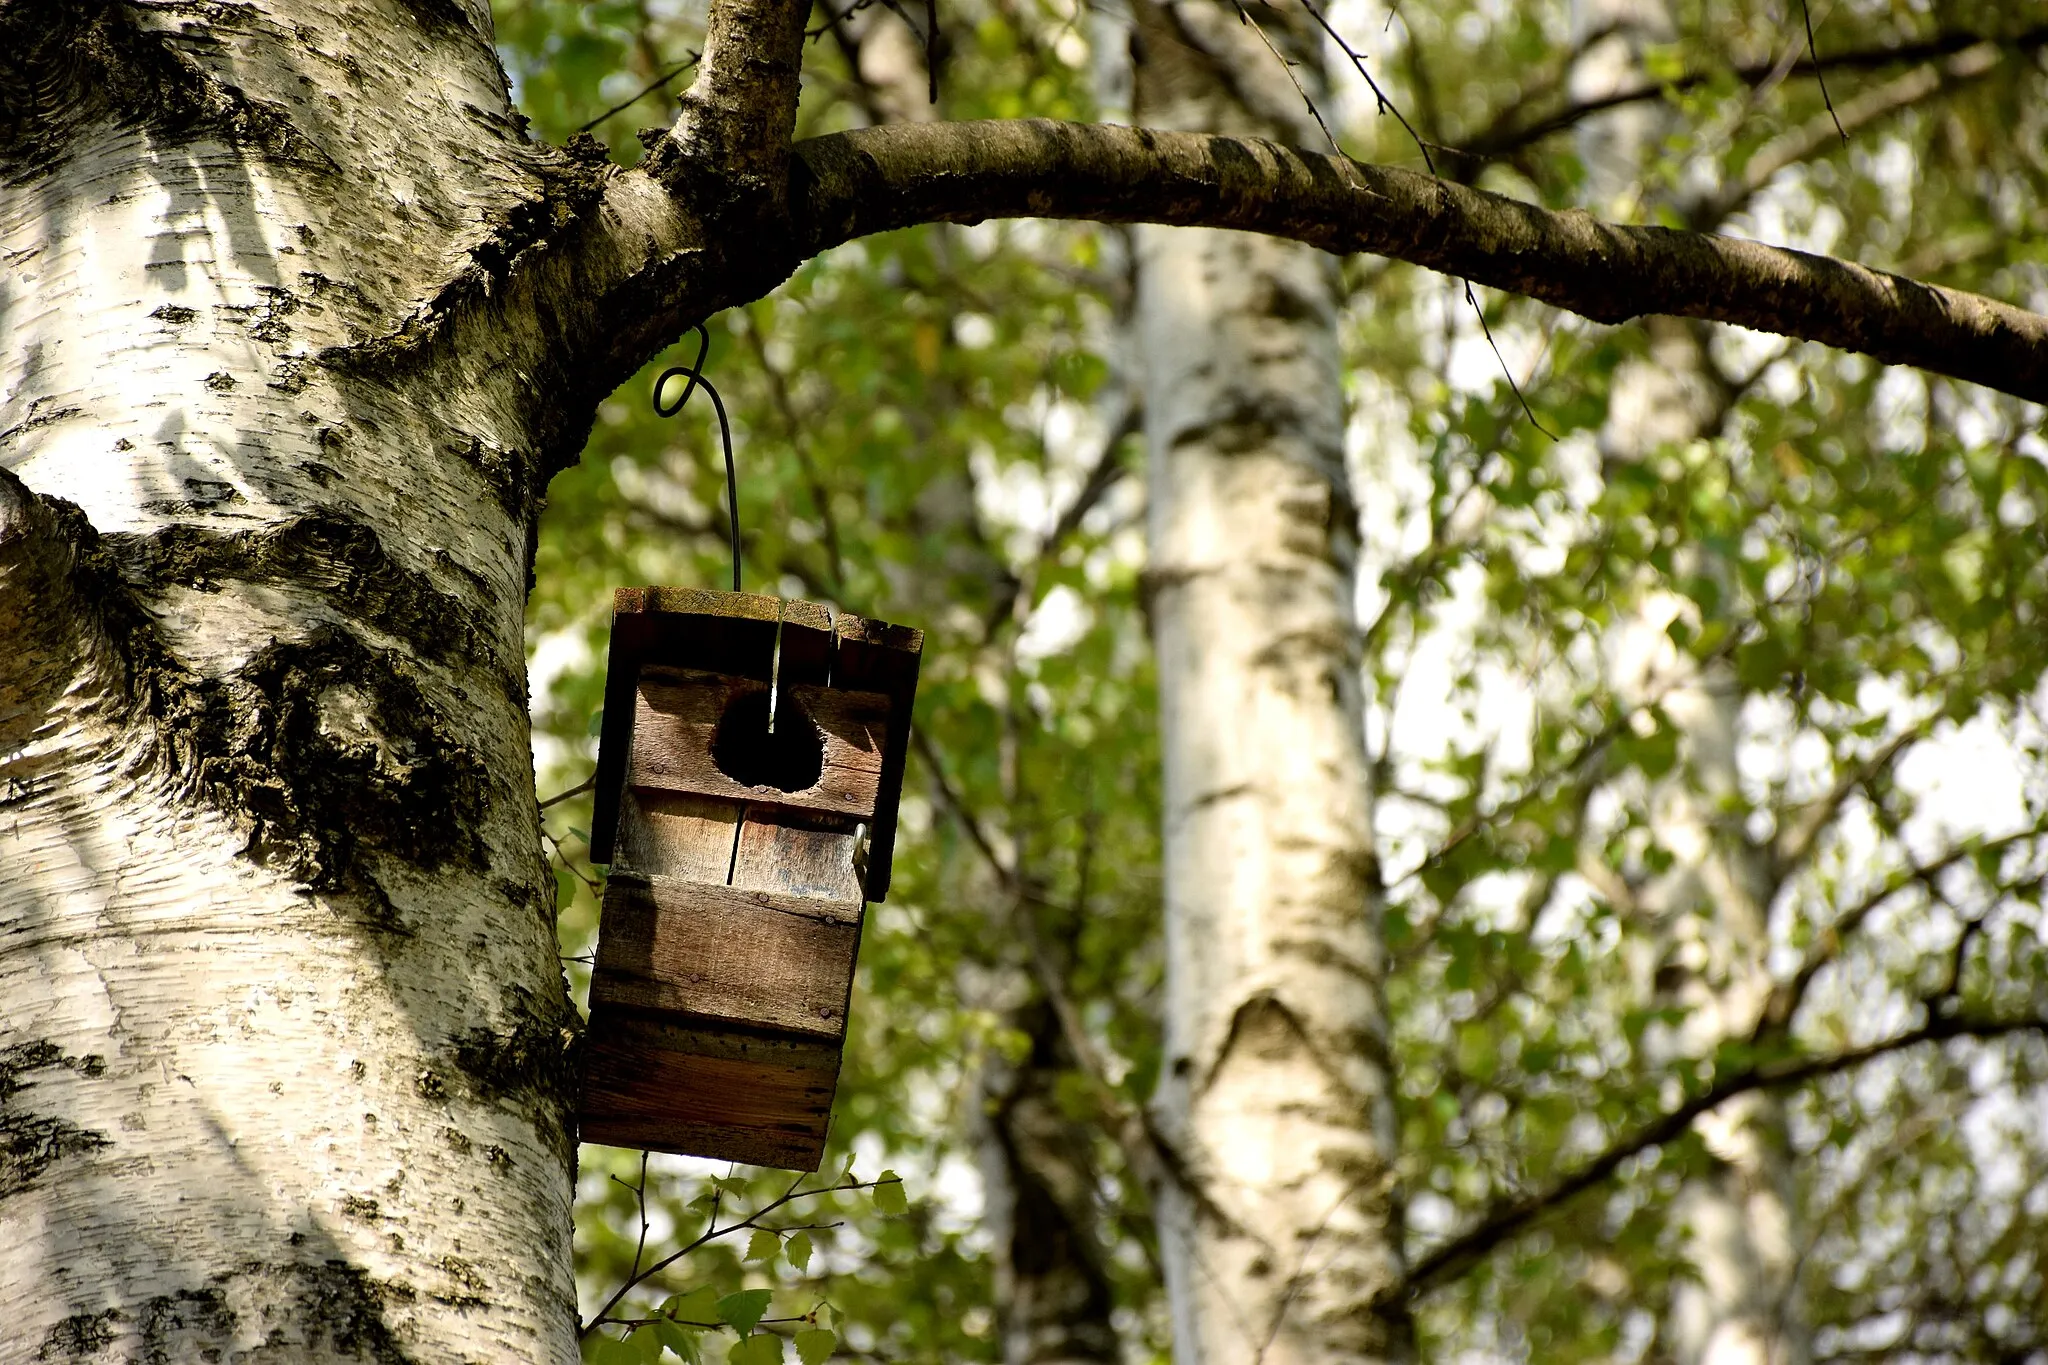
{"x":1284,"y":1230}
{"x":1052,"y":1285}
{"x":1710,"y":911}
{"x":282,"y":1028}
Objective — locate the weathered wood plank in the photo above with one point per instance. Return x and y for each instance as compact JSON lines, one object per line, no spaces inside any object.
{"x":678,"y":712}
{"x":874,"y":656}
{"x":653,"y":1083}
{"x":785,"y":853}
{"x":807,"y":644}
{"x":731,"y":633}
{"x":721,"y":954}
{"x":672,"y":834}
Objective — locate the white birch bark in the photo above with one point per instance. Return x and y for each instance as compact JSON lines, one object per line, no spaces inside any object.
{"x":282,"y":1028}
{"x":1275,"y":1093}
{"x":1710,"y":910}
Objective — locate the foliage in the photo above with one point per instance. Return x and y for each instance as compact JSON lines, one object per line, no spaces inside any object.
{"x":930,"y":430}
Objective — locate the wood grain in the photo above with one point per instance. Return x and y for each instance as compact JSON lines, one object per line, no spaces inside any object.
{"x":786,"y":853}
{"x":671,"y":834}
{"x":668,"y":1087}
{"x":676,"y":719}
{"x":715,"y":953}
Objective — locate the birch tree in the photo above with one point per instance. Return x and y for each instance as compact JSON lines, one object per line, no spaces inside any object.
{"x":299,"y":323}
{"x":1278,"y":1215}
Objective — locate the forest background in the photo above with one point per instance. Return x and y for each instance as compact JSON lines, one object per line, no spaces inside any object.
{"x":1699,"y":677}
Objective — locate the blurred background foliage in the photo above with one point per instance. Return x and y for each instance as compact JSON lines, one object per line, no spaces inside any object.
{"x":932,"y":428}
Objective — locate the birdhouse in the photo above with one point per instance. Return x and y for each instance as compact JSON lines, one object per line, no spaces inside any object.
{"x":747,"y":778}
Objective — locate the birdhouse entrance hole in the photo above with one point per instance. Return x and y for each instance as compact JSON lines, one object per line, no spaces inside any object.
{"x":789,"y":758}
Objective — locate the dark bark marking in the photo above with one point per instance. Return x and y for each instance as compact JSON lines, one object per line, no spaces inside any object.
{"x":202,"y":1312}
{"x":337,"y":555}
{"x":513,"y":476}
{"x":531,"y":1066}
{"x":31,"y":1143}
{"x":80,"y":1336}
{"x":301,"y":1306}
{"x":472,"y":1288}
{"x":532,"y":1056}
{"x":331,"y":747}
{"x":71,"y":64}
{"x":342,"y":1303}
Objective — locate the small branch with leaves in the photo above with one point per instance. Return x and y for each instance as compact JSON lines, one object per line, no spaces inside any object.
{"x":679,"y":1321}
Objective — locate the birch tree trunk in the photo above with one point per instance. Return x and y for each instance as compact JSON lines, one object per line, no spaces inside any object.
{"x":282,"y":1028}
{"x":1710,"y":911}
{"x":1275,"y":1093}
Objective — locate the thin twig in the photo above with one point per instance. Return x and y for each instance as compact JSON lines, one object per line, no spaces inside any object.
{"x":1244,"y":17}
{"x":563,"y":858}
{"x":1506,"y":373}
{"x":710,"y":1234}
{"x":1784,"y":999}
{"x":658,"y":82}
{"x":1385,"y":105}
{"x":581,"y":787}
{"x":1814,"y":55}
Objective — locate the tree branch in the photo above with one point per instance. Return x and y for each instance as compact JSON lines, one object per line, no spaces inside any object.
{"x":739,"y":114}
{"x":871,"y":180}
{"x":1507,"y":135}
{"x":1785,"y":997}
{"x":1804,"y":827}
{"x":1819,"y":132}
{"x":1509,"y":1217}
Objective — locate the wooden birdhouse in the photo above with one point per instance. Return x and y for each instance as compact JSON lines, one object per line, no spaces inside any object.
{"x":742,"y":857}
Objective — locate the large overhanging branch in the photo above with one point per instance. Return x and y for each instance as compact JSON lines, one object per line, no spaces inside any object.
{"x":872,"y":180}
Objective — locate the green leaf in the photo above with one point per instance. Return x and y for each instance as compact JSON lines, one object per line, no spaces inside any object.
{"x":763,"y":1246}
{"x":699,"y":1305}
{"x":605,"y":1349}
{"x":889,"y":1196}
{"x":681,"y":1340}
{"x":762,"y":1348}
{"x":645,"y":1344}
{"x":798,"y":1250}
{"x":743,"y":1310}
{"x":814,"y":1345}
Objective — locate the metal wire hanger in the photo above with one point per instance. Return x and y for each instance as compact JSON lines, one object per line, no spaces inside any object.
{"x":695,"y":373}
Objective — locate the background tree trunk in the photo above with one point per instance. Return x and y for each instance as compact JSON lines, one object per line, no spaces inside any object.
{"x":282,"y":1029}
{"x":1709,"y":911}
{"x":1274,"y":1092}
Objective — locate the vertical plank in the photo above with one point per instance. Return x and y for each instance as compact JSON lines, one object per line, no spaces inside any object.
{"x":669,"y":834}
{"x":783,"y":852}
{"x":874,"y":656}
{"x":806,"y":643}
